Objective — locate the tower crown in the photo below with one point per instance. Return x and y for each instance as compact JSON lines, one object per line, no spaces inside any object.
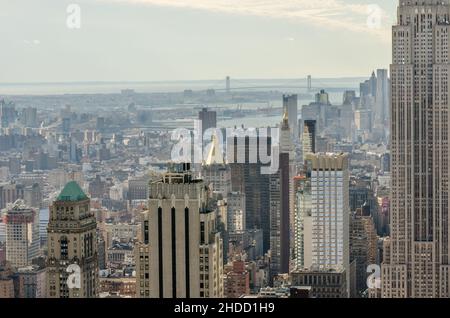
{"x":72,"y":193}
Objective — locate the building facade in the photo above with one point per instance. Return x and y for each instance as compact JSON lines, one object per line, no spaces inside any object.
{"x":22,"y":234}
{"x":323,"y":216}
{"x":180,"y":252}
{"x":72,"y":265}
{"x":417,"y":262}
{"x":290,"y":105}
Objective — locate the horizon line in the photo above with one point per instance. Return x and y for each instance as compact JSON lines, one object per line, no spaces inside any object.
{"x":177,"y":81}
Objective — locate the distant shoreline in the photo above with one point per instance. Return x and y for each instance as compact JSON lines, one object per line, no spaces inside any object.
{"x":99,"y":87}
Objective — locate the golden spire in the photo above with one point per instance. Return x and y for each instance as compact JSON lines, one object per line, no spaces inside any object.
{"x":285,"y":115}
{"x":285,"y":122}
{"x":215,"y":155}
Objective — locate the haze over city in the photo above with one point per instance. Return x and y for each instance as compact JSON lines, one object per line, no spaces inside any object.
{"x":241,"y":152}
{"x":158,"y":40}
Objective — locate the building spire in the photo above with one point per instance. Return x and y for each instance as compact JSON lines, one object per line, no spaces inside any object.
{"x":215,"y":155}
{"x":285,"y":122}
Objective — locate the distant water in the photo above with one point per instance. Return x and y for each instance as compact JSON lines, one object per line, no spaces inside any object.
{"x":285,"y":85}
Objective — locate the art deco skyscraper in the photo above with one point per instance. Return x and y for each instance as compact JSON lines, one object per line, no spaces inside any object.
{"x":280,"y":192}
{"x":417,"y":261}
{"x":72,"y":240}
{"x":290,"y":105}
{"x":180,"y":253}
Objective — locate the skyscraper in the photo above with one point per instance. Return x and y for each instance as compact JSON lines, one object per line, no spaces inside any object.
{"x":215,"y":173}
{"x":382,"y":100}
{"x":236,"y":212}
{"x":208,"y":119}
{"x":22,"y":234}
{"x":28,"y":117}
{"x":280,"y":218}
{"x":180,"y":253}
{"x":8,"y":113}
{"x":417,"y":260}
{"x":322,"y":233}
{"x":281,"y":197}
{"x":309,"y":137}
{"x":363,"y":246}
{"x":72,"y":242}
{"x":290,"y":105}
{"x":302,"y":219}
{"x":246,"y":177}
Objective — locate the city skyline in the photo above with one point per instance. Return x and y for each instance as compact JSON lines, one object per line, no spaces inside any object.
{"x":125,"y":173}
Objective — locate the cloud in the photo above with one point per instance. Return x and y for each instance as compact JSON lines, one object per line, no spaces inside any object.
{"x":331,"y":14}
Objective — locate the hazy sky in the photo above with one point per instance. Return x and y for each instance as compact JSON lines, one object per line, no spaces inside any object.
{"x":158,"y":40}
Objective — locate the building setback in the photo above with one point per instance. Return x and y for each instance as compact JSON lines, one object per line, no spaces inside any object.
{"x":180,"y":252}
{"x":417,"y":260}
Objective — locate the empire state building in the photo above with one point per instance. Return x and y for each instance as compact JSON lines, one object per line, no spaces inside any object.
{"x":416,"y":258}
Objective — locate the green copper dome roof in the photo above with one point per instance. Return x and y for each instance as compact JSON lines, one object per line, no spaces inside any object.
{"x":72,"y":192}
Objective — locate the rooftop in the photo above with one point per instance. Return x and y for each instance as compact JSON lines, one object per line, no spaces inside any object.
{"x":72,"y":193}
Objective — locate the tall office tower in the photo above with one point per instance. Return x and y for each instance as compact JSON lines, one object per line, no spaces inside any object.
{"x":368,"y":90}
{"x":364,"y":90}
{"x":66,"y":125}
{"x":208,"y":119}
{"x":180,"y":253}
{"x":280,"y":218}
{"x":215,"y":173}
{"x":236,"y":212}
{"x":418,"y":264}
{"x":363,"y":246}
{"x":228,"y":85}
{"x":246,"y":177}
{"x":72,"y":242}
{"x":309,"y":137}
{"x":324,"y":215}
{"x":282,"y":203}
{"x":218,"y":178}
{"x":373,"y":84}
{"x":309,"y":82}
{"x":28,"y":117}
{"x":211,"y":256}
{"x":302,"y":219}
{"x":7,"y":113}
{"x":349,"y":97}
{"x":290,"y":105}
{"x":10,"y":193}
{"x":32,"y":196}
{"x":363,"y":120}
{"x":22,"y":234}
{"x":322,"y":98}
{"x":287,"y":153}
{"x":382,"y":100}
